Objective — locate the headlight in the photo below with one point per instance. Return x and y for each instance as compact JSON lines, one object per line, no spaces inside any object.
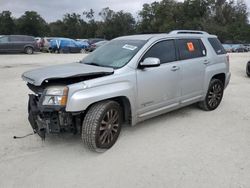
{"x":56,"y":96}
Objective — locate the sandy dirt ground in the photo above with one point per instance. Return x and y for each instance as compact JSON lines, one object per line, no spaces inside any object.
{"x":185,"y":148}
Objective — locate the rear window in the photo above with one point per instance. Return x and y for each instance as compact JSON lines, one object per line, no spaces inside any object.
{"x":191,"y":48}
{"x":217,"y":46}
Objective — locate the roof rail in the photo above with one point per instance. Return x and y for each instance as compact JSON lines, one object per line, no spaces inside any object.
{"x":188,"y":32}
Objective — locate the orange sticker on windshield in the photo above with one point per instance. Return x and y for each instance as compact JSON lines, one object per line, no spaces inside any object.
{"x":190,"y":46}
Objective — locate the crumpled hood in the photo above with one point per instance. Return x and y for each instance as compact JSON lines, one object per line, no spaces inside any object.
{"x":38,"y":76}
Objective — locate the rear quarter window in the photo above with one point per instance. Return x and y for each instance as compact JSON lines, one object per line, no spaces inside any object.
{"x":217,"y":46}
{"x":190,"y":48}
{"x":29,"y":39}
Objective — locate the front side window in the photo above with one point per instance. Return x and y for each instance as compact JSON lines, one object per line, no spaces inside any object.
{"x":190,"y":48}
{"x":115,"y":54}
{"x":164,"y":50}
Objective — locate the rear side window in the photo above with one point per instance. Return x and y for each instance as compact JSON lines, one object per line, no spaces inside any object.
{"x":217,"y":46}
{"x":16,"y":38}
{"x":191,"y":48}
{"x":29,"y":38}
{"x":164,"y":50}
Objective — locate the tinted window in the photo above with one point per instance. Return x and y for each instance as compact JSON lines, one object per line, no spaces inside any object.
{"x":16,"y":38}
{"x":164,"y":50}
{"x":29,"y":38}
{"x":217,"y":46}
{"x":191,"y":48}
{"x":4,"y":39}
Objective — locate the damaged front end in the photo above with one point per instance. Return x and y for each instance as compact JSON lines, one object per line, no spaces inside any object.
{"x":47,"y":114}
{"x":50,"y":119}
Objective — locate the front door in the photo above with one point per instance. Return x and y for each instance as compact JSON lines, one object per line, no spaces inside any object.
{"x":159,"y":87}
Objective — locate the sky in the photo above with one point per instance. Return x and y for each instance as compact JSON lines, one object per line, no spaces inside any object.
{"x":52,"y":10}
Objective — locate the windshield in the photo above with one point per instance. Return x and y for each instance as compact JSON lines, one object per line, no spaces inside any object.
{"x":115,"y":54}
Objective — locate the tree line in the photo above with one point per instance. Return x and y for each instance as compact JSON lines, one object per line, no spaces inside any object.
{"x":226,"y":19}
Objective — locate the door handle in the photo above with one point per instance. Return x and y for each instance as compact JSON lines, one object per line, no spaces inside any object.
{"x":206,"y":62}
{"x":175,"y":68}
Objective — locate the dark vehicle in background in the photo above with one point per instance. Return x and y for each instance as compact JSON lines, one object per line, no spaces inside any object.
{"x":92,"y":42}
{"x":95,"y":40}
{"x":239,"y":48}
{"x":248,"y":69}
{"x":66,"y":45}
{"x":92,"y":47}
{"x":18,"y":44}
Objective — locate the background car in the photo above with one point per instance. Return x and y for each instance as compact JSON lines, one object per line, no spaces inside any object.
{"x":239,"y":48}
{"x":45,"y":44}
{"x":92,"y":42}
{"x":227,"y":47}
{"x":247,"y":46}
{"x":66,"y":45}
{"x":18,"y":43}
{"x":92,"y":47}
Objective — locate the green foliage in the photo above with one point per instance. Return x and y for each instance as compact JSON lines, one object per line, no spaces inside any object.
{"x":227,"y":19}
{"x":7,"y":25}
{"x":31,"y":23}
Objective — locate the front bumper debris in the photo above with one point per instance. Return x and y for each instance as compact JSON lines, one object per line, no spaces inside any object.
{"x":48,"y":120}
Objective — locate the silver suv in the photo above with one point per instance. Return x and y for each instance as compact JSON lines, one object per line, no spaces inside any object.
{"x":126,"y":81}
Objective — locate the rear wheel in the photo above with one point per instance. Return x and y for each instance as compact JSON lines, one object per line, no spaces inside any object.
{"x":214,"y":95}
{"x":29,"y":50}
{"x":102,"y":125}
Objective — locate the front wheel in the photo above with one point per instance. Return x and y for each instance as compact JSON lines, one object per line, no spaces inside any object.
{"x":214,"y":95}
{"x":102,"y":125}
{"x":29,"y":50}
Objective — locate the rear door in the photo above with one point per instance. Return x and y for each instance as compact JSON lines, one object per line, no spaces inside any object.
{"x":192,"y":55}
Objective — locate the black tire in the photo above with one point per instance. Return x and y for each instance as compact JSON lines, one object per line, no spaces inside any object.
{"x":214,"y":95}
{"x":98,"y":131}
{"x":29,"y":50}
{"x":248,"y":69}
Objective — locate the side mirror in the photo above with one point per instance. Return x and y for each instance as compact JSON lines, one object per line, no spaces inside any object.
{"x":150,"y":62}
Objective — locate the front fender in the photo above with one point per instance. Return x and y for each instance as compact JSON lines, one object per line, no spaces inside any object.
{"x":82,"y":99}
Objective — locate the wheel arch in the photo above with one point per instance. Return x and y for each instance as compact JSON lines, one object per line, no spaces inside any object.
{"x":221,"y":77}
{"x":28,"y":46}
{"x":124,"y":102}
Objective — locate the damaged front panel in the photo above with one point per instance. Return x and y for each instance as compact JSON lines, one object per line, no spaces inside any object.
{"x":50,"y":120}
